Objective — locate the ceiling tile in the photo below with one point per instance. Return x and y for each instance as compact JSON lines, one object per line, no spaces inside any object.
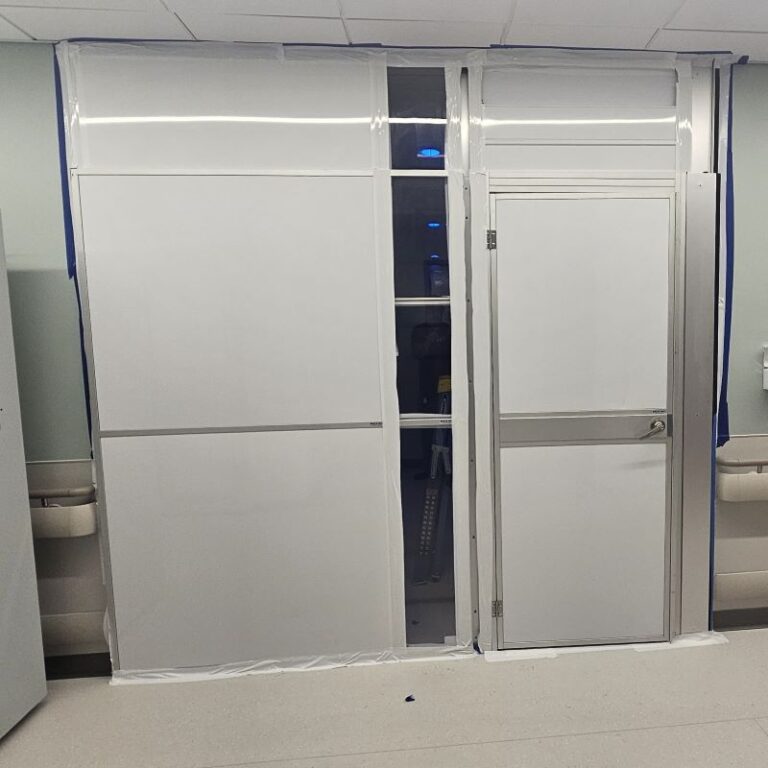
{"x":326,"y":8}
{"x":265,"y":29}
{"x":62,"y":24}
{"x":579,"y":36}
{"x":744,"y":15}
{"x":428,"y":10}
{"x":753,"y":44}
{"x":424,"y":33}
{"x":97,"y":5}
{"x":9,"y":32}
{"x":618,"y":13}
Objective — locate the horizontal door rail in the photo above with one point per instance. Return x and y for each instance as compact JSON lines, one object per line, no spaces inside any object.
{"x":60,"y":492}
{"x":233,"y":430}
{"x":584,"y":428}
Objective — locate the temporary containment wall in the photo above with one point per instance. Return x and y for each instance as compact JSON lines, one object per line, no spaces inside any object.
{"x":392,"y":352}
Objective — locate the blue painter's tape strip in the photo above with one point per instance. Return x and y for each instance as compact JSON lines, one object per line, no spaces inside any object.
{"x":69,"y":237}
{"x":373,"y":44}
{"x":69,"y":234}
{"x":723,"y":422}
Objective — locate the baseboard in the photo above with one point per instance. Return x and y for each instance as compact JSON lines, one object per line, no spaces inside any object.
{"x":79,"y":665}
{"x":741,"y":591}
{"x":743,"y":618}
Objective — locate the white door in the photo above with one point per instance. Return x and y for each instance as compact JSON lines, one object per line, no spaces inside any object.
{"x":22,"y":674}
{"x":583,"y":434}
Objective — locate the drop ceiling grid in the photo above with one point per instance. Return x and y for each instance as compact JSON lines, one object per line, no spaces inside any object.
{"x":738,"y":25}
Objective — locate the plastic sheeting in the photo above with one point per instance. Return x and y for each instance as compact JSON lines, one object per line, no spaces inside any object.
{"x":726,"y":250}
{"x":187,"y":115}
{"x":181,"y":108}
{"x":209,"y":110}
{"x":296,"y":664}
{"x":694,"y":640}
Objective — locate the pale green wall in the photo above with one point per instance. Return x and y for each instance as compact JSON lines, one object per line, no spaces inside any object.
{"x":747,"y":401}
{"x":43,"y":302}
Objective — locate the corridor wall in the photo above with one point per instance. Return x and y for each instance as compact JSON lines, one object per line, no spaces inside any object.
{"x":42,"y":295}
{"x":741,"y":548}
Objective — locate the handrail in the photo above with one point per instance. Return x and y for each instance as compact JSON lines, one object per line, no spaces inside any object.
{"x":64,"y":522}
{"x":54,"y":493}
{"x":759,"y":463}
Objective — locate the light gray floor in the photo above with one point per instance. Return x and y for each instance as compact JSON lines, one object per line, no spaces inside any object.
{"x":696,"y":707}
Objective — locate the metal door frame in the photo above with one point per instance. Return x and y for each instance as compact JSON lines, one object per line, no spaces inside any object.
{"x":616,"y":190}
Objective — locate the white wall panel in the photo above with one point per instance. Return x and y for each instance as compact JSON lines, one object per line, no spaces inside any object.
{"x":235,"y":547}
{"x":627,"y":124}
{"x":580,"y":118}
{"x":228,"y":239}
{"x":582,"y":328}
{"x":583,"y":530}
{"x":585,"y":158}
{"x":215,"y":108}
{"x":605,"y":88}
{"x":232,"y":301}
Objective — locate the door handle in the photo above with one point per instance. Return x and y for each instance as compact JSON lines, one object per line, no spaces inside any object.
{"x":657,"y":426}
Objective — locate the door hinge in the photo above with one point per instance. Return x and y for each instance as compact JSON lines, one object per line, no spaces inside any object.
{"x":490,"y":239}
{"x":497,"y":608}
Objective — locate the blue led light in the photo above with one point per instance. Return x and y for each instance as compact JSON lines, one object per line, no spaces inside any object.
{"x":429,"y":152}
{"x":434,"y":225}
{"x":435,"y":256}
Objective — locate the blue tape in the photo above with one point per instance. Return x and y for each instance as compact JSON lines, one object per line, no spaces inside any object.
{"x":69,"y":234}
{"x":69,"y":238}
{"x":723,"y":422}
{"x":491,"y":47}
